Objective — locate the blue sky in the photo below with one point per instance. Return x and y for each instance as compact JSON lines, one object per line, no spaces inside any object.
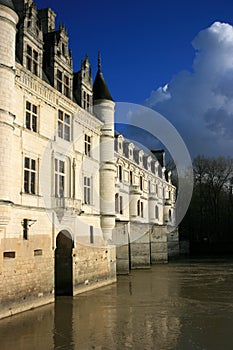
{"x":148,"y":44}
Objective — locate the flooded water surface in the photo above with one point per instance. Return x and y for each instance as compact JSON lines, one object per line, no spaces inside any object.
{"x":183,"y":306}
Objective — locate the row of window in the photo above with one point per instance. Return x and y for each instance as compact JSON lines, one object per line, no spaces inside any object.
{"x":64,"y":125}
{"x":120,"y":177}
{"x":59,"y":187}
{"x":30,"y":179}
{"x":140,"y":207}
{"x":62,"y":79}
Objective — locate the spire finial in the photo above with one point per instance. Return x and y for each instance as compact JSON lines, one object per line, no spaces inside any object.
{"x":99,"y":62}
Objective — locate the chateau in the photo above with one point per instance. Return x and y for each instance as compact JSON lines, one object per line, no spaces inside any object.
{"x":78,"y":201}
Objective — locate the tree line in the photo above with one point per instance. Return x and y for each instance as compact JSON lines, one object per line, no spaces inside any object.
{"x":208,"y":223}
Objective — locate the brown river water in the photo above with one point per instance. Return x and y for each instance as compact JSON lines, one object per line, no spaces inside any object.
{"x":183,"y":305}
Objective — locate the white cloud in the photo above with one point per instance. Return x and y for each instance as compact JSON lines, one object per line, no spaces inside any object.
{"x":200,"y":103}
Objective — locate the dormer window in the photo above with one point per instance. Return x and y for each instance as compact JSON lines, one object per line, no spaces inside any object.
{"x":63,"y":83}
{"x":86,"y":100}
{"x":59,"y":80}
{"x":63,"y":49}
{"x":66,"y":86}
{"x":32,"y":60}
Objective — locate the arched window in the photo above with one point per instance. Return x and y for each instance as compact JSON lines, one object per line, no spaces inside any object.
{"x":117,"y":203}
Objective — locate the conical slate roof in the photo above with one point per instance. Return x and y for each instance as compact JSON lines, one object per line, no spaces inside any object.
{"x":100,"y":88}
{"x":7,"y":3}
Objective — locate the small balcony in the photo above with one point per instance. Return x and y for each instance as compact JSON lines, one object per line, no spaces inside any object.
{"x":67,"y":203}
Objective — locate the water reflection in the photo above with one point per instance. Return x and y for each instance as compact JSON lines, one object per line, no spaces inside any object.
{"x":63,"y":324}
{"x":178,"y":306}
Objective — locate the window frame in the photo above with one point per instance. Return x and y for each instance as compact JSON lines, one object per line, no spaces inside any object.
{"x":59,"y":178}
{"x":32,"y":60}
{"x":156,"y":212}
{"x":87,"y":145}
{"x":31,"y":116}
{"x":30,"y":175}
{"x":87,"y":186}
{"x":63,"y":126}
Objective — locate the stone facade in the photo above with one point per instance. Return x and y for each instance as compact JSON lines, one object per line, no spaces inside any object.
{"x":71,"y":211}
{"x":145,"y":207}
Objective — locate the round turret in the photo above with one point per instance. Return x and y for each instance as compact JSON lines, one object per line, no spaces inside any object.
{"x":7,"y":3}
{"x":104,"y":110}
{"x":100,"y":88}
{"x":8,"y":21}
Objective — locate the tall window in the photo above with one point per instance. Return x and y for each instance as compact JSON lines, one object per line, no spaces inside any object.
{"x":121,"y":205}
{"x":91,"y":234}
{"x":59,"y":178}
{"x":59,"y":80}
{"x":66,"y":86}
{"x":141,"y":183}
{"x":142,"y":209}
{"x":87,"y":144}
{"x":31,"y":116}
{"x":120,"y":173}
{"x":156,"y":212}
{"x":29,"y":175}
{"x":32,"y":60}
{"x":87,"y":190}
{"x":131,"y":177}
{"x":149,"y":186}
{"x":63,"y":83}
{"x":138,"y":207}
{"x":117,"y":203}
{"x":170,"y":214}
{"x":86,"y":100}
{"x":64,"y":125}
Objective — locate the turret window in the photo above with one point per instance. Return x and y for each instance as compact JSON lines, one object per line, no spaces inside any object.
{"x":31,"y":116}
{"x":64,"y":126}
{"x":32,"y":60}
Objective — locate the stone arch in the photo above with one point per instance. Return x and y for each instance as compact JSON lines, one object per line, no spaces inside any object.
{"x":64,"y":264}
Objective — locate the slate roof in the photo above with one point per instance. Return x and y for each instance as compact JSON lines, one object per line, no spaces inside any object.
{"x":8,"y":3}
{"x":100,"y":88}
